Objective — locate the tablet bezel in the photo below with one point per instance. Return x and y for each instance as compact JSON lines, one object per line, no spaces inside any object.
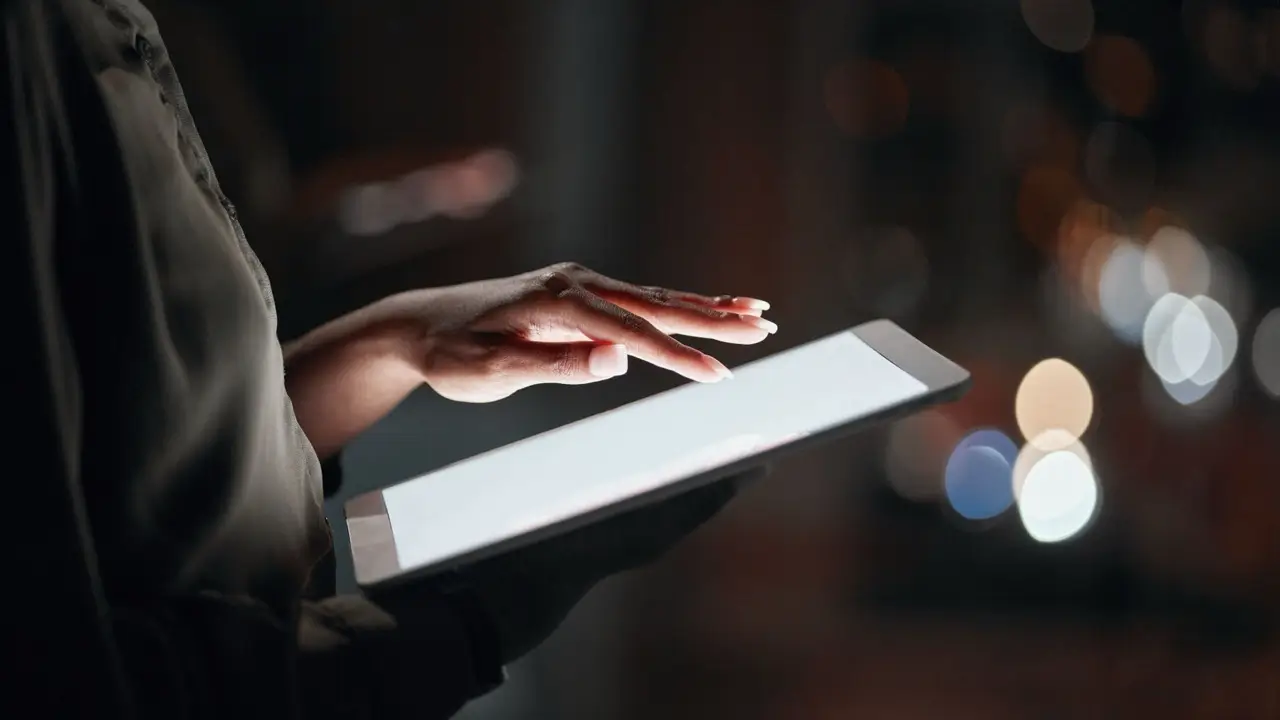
{"x":373,"y":546}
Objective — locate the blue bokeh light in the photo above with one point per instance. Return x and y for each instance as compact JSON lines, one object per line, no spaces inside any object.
{"x":979,"y":474}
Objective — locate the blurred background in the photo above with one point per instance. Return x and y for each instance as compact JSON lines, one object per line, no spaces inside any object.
{"x":1077,"y":199}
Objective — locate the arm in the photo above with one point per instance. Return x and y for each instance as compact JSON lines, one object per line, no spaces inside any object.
{"x":348,"y":374}
{"x":75,"y":648}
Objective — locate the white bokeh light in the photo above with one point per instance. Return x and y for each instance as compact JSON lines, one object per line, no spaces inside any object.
{"x":1036,"y":450}
{"x":1224,"y":341}
{"x":1175,"y":338}
{"x":1187,"y":392}
{"x":1266,"y":353}
{"x":1125,"y":285}
{"x":1058,"y":497}
{"x":1190,"y":343}
{"x":1176,"y":262}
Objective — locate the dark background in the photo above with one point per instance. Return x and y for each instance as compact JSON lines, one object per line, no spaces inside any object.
{"x":992,"y":175}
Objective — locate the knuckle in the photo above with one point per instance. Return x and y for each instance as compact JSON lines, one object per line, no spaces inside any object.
{"x":570,"y":269}
{"x":566,"y":300}
{"x":635,"y":323}
{"x":556,"y":282}
{"x":498,"y":364}
{"x":565,"y":364}
{"x":656,"y":294}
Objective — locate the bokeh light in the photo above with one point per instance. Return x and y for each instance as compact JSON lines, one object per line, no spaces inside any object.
{"x":979,"y":475}
{"x":1036,"y":135}
{"x":1120,"y":74}
{"x":462,"y":190}
{"x":1224,"y":341}
{"x":1187,"y":392}
{"x":1189,"y":340}
{"x":1124,"y":300}
{"x":867,"y":98}
{"x":1064,"y":25}
{"x":917,"y":455}
{"x":1058,"y":498}
{"x":1226,"y":37}
{"x":1266,"y":353}
{"x":1045,"y":196}
{"x":370,"y":209}
{"x":479,"y":182}
{"x":1080,"y":236}
{"x":1176,"y":262}
{"x":1093,"y":260}
{"x":1187,"y":404}
{"x":1176,"y":338}
{"x":1054,"y":404}
{"x":1035,"y":450}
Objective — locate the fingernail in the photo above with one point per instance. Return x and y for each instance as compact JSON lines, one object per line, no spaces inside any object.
{"x":751,"y":303}
{"x":606,"y":361}
{"x":717,"y":367}
{"x":759,"y":323}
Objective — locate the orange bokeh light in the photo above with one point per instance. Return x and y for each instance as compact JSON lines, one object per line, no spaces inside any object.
{"x":1045,"y":196}
{"x":1120,"y":74}
{"x":1155,"y":218}
{"x":1038,"y":135}
{"x":867,"y":98}
{"x":1082,"y":228}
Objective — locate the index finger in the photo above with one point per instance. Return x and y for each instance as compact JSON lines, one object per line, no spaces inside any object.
{"x":603,"y":321}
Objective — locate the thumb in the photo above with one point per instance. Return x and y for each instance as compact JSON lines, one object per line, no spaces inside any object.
{"x":527,"y":363}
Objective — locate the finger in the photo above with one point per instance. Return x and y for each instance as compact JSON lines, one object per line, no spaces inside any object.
{"x":605,"y":322}
{"x":678,"y":317}
{"x":659,"y":295}
{"x":731,"y":303}
{"x":524,"y":364}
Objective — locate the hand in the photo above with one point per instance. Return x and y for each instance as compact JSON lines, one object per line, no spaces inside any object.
{"x":527,"y":594}
{"x":484,"y":341}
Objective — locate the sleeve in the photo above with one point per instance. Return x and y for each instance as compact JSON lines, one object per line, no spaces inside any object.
{"x":73,"y":652}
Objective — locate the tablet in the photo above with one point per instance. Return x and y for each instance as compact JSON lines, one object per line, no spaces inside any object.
{"x":644,"y":452}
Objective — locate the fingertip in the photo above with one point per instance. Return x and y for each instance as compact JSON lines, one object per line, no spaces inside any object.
{"x":753,"y":303}
{"x":760,"y":323}
{"x":718,"y":370}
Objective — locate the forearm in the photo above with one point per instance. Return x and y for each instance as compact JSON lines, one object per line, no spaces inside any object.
{"x":346,"y":375}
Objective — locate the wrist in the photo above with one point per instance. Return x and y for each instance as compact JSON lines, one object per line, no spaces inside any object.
{"x":348,"y":374}
{"x":381,"y":333}
{"x":396,"y":330}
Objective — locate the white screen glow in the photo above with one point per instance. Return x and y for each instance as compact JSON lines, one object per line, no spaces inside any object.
{"x":647,"y":444}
